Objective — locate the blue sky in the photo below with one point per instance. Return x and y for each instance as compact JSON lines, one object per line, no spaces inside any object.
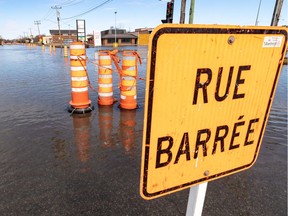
{"x":17,"y":17}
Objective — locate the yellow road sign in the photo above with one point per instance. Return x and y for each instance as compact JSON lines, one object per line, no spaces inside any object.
{"x":209,"y":91}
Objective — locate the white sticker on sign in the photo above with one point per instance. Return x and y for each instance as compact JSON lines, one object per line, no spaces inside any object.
{"x":272,"y":41}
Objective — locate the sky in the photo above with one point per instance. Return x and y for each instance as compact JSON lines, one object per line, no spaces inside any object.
{"x":18,"y":17}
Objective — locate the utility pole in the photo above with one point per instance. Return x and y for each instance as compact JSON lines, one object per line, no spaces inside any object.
{"x":38,"y":22}
{"x":277,"y":12}
{"x":182,"y":12}
{"x":58,"y":20}
{"x":191,"y":12}
{"x":256,"y":22}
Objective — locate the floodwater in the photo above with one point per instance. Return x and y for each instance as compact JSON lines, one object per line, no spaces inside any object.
{"x":52,"y":163}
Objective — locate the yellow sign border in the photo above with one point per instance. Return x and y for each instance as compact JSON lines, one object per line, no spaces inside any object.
{"x":195,"y":29}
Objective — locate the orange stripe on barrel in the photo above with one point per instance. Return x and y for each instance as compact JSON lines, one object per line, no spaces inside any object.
{"x":79,"y":80}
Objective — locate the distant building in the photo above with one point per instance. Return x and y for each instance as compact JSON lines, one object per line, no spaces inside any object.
{"x":67,"y":36}
{"x":38,"y":38}
{"x":122,"y":37}
{"x":47,"y":39}
{"x":143,"y":35}
{"x":144,"y":30}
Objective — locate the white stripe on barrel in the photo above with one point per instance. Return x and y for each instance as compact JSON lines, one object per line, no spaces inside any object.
{"x":80,"y":89}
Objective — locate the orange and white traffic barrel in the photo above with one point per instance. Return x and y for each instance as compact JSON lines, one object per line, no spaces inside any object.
{"x":65,"y":51}
{"x":105,"y":80}
{"x":80,"y":102}
{"x":128,"y":86}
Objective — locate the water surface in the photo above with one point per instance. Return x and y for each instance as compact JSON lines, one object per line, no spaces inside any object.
{"x":53,"y":163}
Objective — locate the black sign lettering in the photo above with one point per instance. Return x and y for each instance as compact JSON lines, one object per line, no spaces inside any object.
{"x":166,"y":151}
{"x":202,"y":142}
{"x":236,"y":134}
{"x":202,"y":86}
{"x":186,"y":150}
{"x":219,"y":78}
{"x":166,"y":148}
{"x":240,"y":81}
{"x":219,"y":138}
{"x":249,"y":131}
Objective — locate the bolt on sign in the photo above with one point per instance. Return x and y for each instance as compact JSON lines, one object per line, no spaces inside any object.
{"x":209,"y":91}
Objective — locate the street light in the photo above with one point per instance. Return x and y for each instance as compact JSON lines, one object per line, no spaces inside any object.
{"x":115,"y":43}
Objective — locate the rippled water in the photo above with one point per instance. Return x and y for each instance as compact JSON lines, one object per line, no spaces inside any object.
{"x":35,"y":92}
{"x":61,"y":164}
{"x":277,"y":124}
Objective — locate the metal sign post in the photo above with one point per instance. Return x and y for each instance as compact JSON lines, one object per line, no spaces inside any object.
{"x":196,"y":199}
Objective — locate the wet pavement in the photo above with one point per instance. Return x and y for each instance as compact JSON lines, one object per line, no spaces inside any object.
{"x":53,"y":163}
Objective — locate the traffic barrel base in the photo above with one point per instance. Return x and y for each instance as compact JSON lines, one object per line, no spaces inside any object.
{"x":74,"y":110}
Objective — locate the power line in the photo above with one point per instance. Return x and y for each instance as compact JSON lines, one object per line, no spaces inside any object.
{"x":90,"y":10}
{"x":47,"y":14}
{"x":66,"y":2}
{"x":70,"y":3}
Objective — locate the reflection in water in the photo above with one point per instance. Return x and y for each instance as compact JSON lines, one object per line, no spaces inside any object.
{"x":127,"y":129}
{"x":66,"y":62}
{"x":52,"y":50}
{"x":105,"y":119}
{"x":42,"y":149}
{"x":60,"y":148}
{"x":81,"y":125}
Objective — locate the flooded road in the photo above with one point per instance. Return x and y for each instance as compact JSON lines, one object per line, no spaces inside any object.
{"x":52,"y":163}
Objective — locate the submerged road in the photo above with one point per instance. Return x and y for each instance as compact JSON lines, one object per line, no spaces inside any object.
{"x":56,"y":164}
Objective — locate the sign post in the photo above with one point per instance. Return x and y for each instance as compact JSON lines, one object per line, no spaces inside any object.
{"x":196,"y":199}
{"x":209,"y":91}
{"x":97,"y":38}
{"x":81,"y":30}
